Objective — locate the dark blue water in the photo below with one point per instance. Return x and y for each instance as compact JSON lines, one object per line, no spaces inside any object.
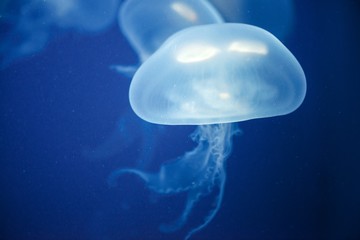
{"x":66,"y":124}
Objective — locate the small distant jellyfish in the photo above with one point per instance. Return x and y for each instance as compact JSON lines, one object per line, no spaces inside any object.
{"x":211,"y":76}
{"x":84,"y":15}
{"x":147,"y":24}
{"x":27,"y":26}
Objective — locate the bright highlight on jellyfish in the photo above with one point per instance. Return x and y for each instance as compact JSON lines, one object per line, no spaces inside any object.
{"x":196,"y":53}
{"x":213,"y":74}
{"x":248,"y":47}
{"x":162,"y":19}
{"x":185,"y":11}
{"x":218,"y":74}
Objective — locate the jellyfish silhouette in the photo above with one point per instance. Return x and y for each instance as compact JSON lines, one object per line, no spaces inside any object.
{"x":215,"y":75}
{"x":29,"y":27}
{"x":176,"y":15}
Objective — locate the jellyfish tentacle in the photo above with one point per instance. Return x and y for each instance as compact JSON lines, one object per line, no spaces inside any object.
{"x":125,"y":70}
{"x":192,"y":198}
{"x":194,"y":195}
{"x":179,"y":175}
{"x":199,"y":173}
{"x":217,"y":203}
{"x":112,"y":179}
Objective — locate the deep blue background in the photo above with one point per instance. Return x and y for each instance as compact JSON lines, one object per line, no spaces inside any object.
{"x":290,"y":177}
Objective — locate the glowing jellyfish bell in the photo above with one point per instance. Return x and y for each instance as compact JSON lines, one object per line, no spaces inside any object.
{"x":218,"y":73}
{"x":147,"y":24}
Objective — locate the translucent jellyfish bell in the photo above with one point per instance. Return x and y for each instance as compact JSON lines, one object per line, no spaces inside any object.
{"x":147,"y":24}
{"x":218,"y":74}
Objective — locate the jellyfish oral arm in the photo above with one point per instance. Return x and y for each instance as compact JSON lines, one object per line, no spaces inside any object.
{"x":198,"y":173}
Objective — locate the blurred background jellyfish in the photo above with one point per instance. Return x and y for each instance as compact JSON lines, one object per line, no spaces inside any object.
{"x":276,"y":17}
{"x":147,"y":24}
{"x":89,"y":15}
{"x":215,"y":75}
{"x":29,"y":24}
{"x":129,"y":131}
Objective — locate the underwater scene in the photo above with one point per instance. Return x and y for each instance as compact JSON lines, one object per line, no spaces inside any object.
{"x":179,"y":119}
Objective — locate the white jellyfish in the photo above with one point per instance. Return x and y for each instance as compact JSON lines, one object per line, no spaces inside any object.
{"x":211,"y":76}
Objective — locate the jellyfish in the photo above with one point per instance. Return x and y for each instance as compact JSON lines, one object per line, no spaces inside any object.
{"x":83,"y":15}
{"x":29,"y":24}
{"x":211,"y":76}
{"x":175,"y":16}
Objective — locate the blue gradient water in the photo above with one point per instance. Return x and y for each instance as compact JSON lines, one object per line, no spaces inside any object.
{"x":290,"y":177}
